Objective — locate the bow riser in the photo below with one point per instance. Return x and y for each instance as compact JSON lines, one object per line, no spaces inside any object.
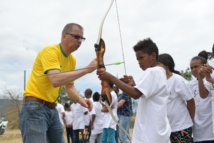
{"x":100,"y":50}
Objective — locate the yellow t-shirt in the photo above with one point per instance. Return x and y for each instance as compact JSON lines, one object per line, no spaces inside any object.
{"x":51,"y":57}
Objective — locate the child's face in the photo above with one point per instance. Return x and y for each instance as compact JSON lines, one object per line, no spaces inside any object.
{"x":195,"y":65}
{"x":69,"y":109}
{"x":145,"y":60}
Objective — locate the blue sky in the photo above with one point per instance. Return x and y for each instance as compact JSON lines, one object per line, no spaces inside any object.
{"x":179,"y":27}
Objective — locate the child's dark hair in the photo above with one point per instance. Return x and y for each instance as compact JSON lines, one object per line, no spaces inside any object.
{"x":168,"y":61}
{"x":203,"y":54}
{"x":201,"y":59}
{"x":67,"y":105}
{"x":147,"y":46}
{"x":96,"y":96}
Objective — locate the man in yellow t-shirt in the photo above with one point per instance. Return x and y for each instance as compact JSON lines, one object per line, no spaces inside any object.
{"x":39,"y":120}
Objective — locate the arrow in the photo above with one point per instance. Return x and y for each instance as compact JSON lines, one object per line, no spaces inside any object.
{"x":116,"y":63}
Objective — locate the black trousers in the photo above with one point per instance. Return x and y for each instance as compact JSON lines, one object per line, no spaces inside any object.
{"x":69,"y":132}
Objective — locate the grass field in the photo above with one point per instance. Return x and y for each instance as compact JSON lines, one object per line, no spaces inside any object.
{"x":11,"y":136}
{"x":14,"y":136}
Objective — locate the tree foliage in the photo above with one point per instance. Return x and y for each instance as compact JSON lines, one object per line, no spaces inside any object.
{"x":64,"y":98}
{"x":187,"y":74}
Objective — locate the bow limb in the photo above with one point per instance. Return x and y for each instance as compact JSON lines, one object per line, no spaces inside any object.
{"x":102,"y":22}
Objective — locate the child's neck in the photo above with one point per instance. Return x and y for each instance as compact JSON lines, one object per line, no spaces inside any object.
{"x":168,"y":74}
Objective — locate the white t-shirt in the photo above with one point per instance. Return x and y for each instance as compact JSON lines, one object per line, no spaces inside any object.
{"x":78,"y":116}
{"x":98,"y":122}
{"x":151,"y":124}
{"x":212,"y":94}
{"x":177,"y":112}
{"x":211,"y":62}
{"x":68,"y":117}
{"x":108,"y":122}
{"x":87,"y":117}
{"x":61,"y":111}
{"x":203,"y":127}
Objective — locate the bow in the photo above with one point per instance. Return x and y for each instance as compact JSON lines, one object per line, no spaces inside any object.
{"x":100,"y":50}
{"x":105,"y":92}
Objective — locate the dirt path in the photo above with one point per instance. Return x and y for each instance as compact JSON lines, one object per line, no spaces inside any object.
{"x":6,"y":136}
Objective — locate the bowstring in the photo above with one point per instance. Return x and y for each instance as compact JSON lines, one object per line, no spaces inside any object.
{"x":121,"y":42}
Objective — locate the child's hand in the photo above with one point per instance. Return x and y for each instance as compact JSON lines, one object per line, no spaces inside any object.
{"x":207,"y":69}
{"x":129,"y":80}
{"x":103,"y":75}
{"x":104,"y":109}
{"x":201,"y":72}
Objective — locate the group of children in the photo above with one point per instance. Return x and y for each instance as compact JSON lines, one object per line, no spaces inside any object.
{"x":97,"y":125}
{"x":170,"y":109}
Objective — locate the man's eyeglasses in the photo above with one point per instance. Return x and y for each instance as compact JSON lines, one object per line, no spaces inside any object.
{"x":77,"y":37}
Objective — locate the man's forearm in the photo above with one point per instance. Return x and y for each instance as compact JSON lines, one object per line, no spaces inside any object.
{"x":62,"y":78}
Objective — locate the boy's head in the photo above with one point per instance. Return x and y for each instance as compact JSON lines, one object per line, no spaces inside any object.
{"x":88,"y":93}
{"x":96,"y":96}
{"x":67,"y":107}
{"x":146,"y":53}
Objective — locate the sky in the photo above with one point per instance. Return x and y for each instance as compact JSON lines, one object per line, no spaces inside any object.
{"x":181,"y":28}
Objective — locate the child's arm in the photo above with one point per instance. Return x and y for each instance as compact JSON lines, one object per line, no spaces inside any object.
{"x":91,"y":124}
{"x":203,"y":91}
{"x":120,"y":103}
{"x":191,"y":108}
{"x":209,"y":78}
{"x":129,"y":90}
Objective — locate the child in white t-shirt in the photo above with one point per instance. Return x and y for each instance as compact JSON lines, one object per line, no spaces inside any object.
{"x":203,"y":125}
{"x":69,"y":122}
{"x":151,"y":124}
{"x":78,"y":122}
{"x":109,"y":125}
{"x":61,"y":112}
{"x":87,"y":117}
{"x":180,"y":105}
{"x":96,"y":123}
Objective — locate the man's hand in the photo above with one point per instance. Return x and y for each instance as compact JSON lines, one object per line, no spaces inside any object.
{"x":89,"y":104}
{"x":92,"y":66}
{"x":86,"y":103}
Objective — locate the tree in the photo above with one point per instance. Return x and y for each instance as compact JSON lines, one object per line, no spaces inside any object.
{"x":63,"y":97}
{"x":12,"y":109}
{"x":15,"y":96}
{"x":187,"y":74}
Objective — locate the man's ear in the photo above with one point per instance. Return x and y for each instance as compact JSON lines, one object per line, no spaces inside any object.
{"x":63,"y":35}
